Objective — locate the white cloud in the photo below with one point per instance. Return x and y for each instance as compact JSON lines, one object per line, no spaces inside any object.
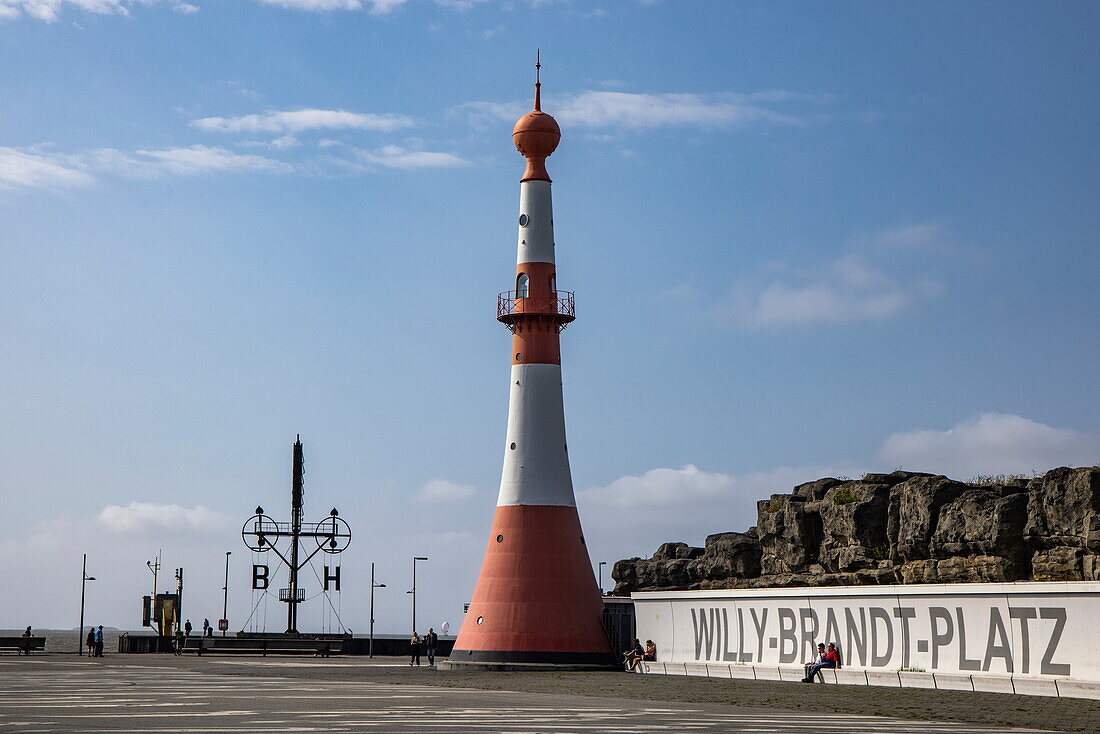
{"x":849,"y":289}
{"x":50,"y":10}
{"x":634,"y":514}
{"x":189,"y":161}
{"x":691,"y":485}
{"x":284,"y":142}
{"x":859,"y":285}
{"x":441,"y":490}
{"x":991,"y":443}
{"x":640,"y":111}
{"x":21,"y":169}
{"x":378,"y":7}
{"x":392,"y":156}
{"x":146,"y":518}
{"x":295,"y":121}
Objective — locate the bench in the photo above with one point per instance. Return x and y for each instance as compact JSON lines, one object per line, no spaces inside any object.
{"x":23,"y":644}
{"x":264,"y":647}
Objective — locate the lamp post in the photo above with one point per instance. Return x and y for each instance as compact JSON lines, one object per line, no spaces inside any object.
{"x":84,"y":579}
{"x":413,"y":592}
{"x":602,"y":564}
{"x":225,"y":591}
{"x":373,"y":586}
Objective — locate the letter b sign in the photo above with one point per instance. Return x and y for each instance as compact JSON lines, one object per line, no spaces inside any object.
{"x":260,"y":579}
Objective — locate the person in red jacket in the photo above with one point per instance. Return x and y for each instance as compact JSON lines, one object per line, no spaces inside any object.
{"x":831,"y":660}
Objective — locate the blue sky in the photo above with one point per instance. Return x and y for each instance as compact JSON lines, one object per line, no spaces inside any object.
{"x":805,"y":238}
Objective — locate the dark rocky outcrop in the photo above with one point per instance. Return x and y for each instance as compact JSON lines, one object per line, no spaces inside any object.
{"x":902,"y":527}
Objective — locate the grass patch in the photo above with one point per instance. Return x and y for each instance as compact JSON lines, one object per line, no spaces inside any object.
{"x":844,"y":496}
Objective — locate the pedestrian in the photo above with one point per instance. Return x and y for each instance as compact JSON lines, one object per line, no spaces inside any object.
{"x":99,"y":641}
{"x":831,"y":660}
{"x":430,"y":641}
{"x":90,"y":642}
{"x":187,"y":628}
{"x":27,"y":644}
{"x":414,"y":649}
{"x":819,"y":659}
{"x":207,"y":630}
{"x":633,"y":656}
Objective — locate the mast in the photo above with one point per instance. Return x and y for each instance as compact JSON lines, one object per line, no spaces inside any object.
{"x":296,"y":504}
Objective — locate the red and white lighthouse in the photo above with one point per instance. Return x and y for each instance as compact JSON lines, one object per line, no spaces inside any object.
{"x":536,"y":600}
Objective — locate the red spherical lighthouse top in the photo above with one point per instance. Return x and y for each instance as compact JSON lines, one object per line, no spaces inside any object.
{"x":536,"y":136}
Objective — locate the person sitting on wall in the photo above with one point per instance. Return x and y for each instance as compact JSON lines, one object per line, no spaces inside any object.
{"x":634,"y":655}
{"x":820,"y":657}
{"x":650,"y":654}
{"x":832,"y":660}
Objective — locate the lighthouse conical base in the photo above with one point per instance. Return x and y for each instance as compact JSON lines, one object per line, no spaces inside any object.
{"x":535,"y":602}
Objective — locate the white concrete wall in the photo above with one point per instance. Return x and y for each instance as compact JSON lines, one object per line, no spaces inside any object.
{"x":1037,"y":638}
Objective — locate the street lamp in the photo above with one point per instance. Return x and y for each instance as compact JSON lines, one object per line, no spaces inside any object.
{"x":413,"y":592}
{"x":602,"y":564}
{"x":225,"y":595}
{"x":373,"y":586}
{"x":84,"y":579}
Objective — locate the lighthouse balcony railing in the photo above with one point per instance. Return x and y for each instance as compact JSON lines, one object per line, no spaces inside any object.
{"x":536,"y":303}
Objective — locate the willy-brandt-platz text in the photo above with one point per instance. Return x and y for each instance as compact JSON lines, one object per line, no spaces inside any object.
{"x":1014,"y":639}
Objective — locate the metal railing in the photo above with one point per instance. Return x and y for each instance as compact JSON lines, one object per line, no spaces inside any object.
{"x":299,"y":595}
{"x":535,"y":302}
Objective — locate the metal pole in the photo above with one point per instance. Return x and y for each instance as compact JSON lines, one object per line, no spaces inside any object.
{"x":83,"y":583}
{"x":296,"y":504}
{"x":225,"y":590}
{"x":602,"y":564}
{"x":413,"y":592}
{"x":179,"y":601}
{"x":370,"y":648}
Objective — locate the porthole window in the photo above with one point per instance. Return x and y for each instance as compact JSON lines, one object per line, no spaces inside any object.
{"x":480,"y":620}
{"x":500,"y":538}
{"x":523,"y":220}
{"x":517,"y":356}
{"x":513,"y":446}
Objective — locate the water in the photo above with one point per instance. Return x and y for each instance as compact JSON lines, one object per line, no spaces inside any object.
{"x":68,"y":640}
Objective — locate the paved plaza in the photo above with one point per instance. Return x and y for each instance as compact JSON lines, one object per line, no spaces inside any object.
{"x":57,"y":693}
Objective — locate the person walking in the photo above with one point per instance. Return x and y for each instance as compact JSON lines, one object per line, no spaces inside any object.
{"x":187,"y":628}
{"x":414,"y":649}
{"x":430,"y":641}
{"x":89,"y":642}
{"x":99,"y":641}
{"x":207,"y":630}
{"x":27,"y":644}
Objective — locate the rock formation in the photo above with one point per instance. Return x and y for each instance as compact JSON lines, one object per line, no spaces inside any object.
{"x":903,"y":527}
